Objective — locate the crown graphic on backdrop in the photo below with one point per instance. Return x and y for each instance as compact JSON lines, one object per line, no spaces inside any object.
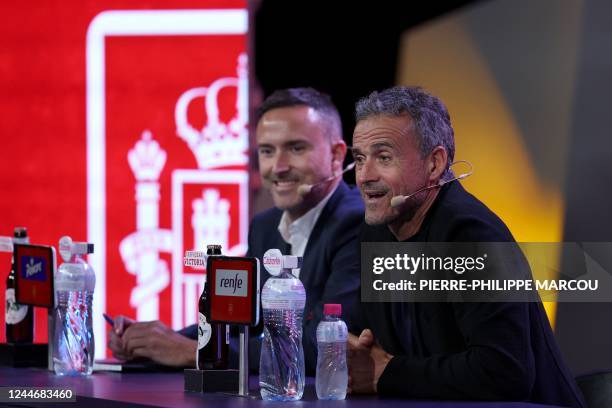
{"x":217,"y":143}
{"x":211,"y":219}
{"x":147,"y":159}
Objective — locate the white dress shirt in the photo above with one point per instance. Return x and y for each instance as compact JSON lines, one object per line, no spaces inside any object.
{"x":298,"y":232}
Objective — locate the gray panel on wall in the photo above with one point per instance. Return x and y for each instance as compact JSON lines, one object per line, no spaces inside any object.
{"x":584,"y":331}
{"x":531,"y":49}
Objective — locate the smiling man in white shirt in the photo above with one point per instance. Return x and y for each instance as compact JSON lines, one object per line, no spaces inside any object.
{"x":316,"y":215}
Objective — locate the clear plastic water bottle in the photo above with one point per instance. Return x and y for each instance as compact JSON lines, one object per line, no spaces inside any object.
{"x":281,"y":365}
{"x":73,"y":340}
{"x":332,"y":372}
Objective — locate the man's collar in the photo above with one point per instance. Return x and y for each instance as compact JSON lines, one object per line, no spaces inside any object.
{"x":306,"y":222}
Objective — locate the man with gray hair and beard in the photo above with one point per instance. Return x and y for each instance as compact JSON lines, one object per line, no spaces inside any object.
{"x":403,"y":141}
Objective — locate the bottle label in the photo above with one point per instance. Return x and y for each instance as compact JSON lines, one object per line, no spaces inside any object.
{"x":204,"y":331}
{"x":65,"y":248}
{"x":332,"y":332}
{"x":284,"y":294}
{"x":14,"y":311}
{"x":273,"y":261}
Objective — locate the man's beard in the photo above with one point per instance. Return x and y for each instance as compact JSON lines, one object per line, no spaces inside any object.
{"x":408,"y":210}
{"x":405,"y":213}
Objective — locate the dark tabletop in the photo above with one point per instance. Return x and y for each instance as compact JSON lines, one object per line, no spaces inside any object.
{"x":106,"y":389}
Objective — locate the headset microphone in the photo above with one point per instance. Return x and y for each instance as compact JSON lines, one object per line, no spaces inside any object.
{"x":398,"y":201}
{"x":305,"y":189}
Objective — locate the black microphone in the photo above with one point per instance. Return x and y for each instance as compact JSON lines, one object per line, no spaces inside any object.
{"x":305,"y":189}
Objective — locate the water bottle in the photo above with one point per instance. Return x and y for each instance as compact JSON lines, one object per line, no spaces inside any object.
{"x":332,"y":373}
{"x":73,"y":340}
{"x":281,"y":365}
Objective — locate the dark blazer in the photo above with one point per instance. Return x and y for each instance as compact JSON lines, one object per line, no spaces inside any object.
{"x":484,"y":351}
{"x":330,"y":269}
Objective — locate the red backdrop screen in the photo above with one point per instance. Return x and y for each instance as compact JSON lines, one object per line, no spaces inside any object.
{"x":125,"y":124}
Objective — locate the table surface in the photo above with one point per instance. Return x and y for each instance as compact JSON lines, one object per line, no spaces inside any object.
{"x":109,"y":389}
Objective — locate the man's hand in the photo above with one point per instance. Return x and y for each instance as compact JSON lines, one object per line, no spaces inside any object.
{"x":115,"y":342}
{"x":153,"y":340}
{"x":366,"y":363}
